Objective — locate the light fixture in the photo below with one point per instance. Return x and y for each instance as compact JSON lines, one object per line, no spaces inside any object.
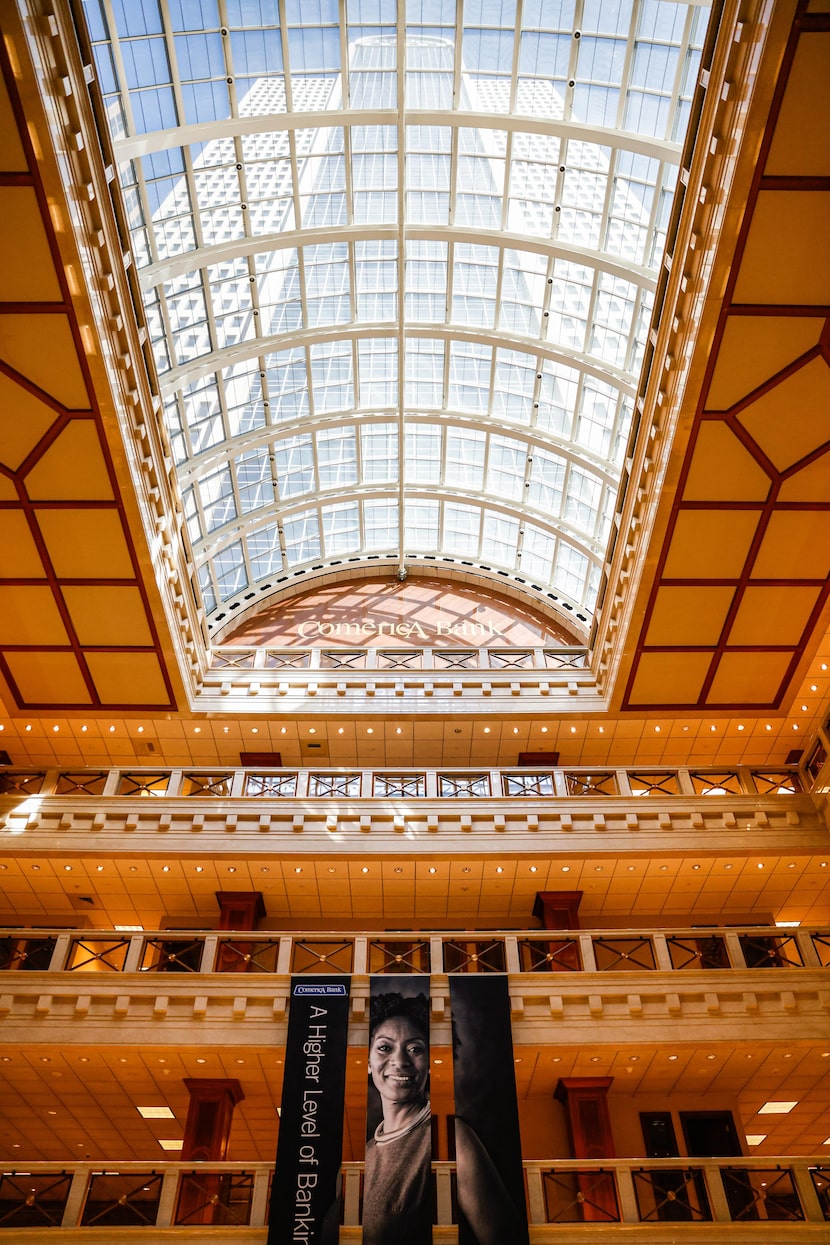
{"x":740,"y":726}
{"x":499,"y":869}
{"x":544,"y":730}
{"x":331,"y":869}
{"x":657,"y":730}
{"x":254,"y":730}
{"x":169,"y":1143}
{"x":112,"y":730}
{"x":283,"y":729}
{"x":768,"y":727}
{"x":602,"y":730}
{"x":566,"y":868}
{"x":487,"y":730}
{"x":56,"y":729}
{"x":28,"y":728}
{"x":156,"y":1113}
{"x":432,"y":869}
{"x":713,"y":729}
{"x":141,"y":730}
{"x":398,"y":730}
{"x":298,"y":868}
{"x":164,"y":868}
{"x":340,"y":730}
{"x":777,"y":1108}
{"x":533,"y":869}
{"x":760,"y":865}
{"x":200,"y":868}
{"x":515,"y":730}
{"x":673,"y":1058}
{"x":312,"y":730}
{"x":364,"y":869}
{"x":197,"y":730}
{"x":231,"y":868}
{"x":755,"y":1139}
{"x":573,"y":730}
{"x":370,"y":730}
{"x":67,"y":868}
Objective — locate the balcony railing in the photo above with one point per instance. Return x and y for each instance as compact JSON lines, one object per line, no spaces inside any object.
{"x":564,"y":783}
{"x":609,"y":952}
{"x":605,"y":1193}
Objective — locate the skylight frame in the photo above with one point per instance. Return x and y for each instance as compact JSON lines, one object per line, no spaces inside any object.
{"x":225,"y":321}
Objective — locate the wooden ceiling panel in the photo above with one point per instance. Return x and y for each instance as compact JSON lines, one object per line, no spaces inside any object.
{"x":801,"y":143}
{"x":688,"y":615}
{"x":24,"y":419}
{"x":85,"y":543}
{"x":670,"y":678}
{"x":773,"y":615}
{"x":789,"y":420}
{"x":748,"y":678}
{"x":27,"y":273}
{"x":808,"y":484}
{"x":794,"y":545}
{"x":21,"y":559}
{"x":131,"y":679}
{"x":72,"y":467}
{"x":40,"y":346}
{"x":798,"y":271}
{"x":754,"y":348}
{"x":47,"y":678}
{"x":710,"y":544}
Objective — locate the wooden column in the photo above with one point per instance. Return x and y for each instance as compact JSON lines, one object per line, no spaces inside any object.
{"x":558,"y":909}
{"x":586,"y":1104}
{"x":237,"y":910}
{"x":207,"y":1133}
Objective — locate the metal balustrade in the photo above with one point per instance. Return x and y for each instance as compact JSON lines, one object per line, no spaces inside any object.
{"x":605,"y":1193}
{"x":606,"y":952}
{"x":412,"y":658}
{"x":572,"y":783}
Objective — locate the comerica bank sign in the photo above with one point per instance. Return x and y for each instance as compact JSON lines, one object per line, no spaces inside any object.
{"x":466,"y":630}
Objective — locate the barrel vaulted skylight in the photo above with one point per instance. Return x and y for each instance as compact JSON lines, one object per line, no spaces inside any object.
{"x":398,"y":263}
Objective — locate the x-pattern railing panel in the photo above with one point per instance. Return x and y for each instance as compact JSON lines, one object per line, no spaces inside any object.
{"x":761,"y":1193}
{"x":215,"y":1198}
{"x":569,"y":1194}
{"x":615,"y":955}
{"x":727,"y":782}
{"x":95,"y":955}
{"x":511,"y":658}
{"x":223,"y":659}
{"x":464,"y":784}
{"x":122,"y":1200}
{"x":25,"y":954}
{"x":343,"y":659}
{"x":773,"y":951}
{"x":236,"y":955}
{"x":821,"y":942}
{"x":528,"y":784}
{"x":172,"y":955}
{"x":322,"y":957}
{"x":665,"y":783}
{"x":707,"y":952}
{"x":289,"y":660}
{"x":820,"y":1177}
{"x":398,"y":956}
{"x":32,"y":1200}
{"x":13,"y":783}
{"x":456,"y":659}
{"x":270,"y":784}
{"x":334,"y":784}
{"x":558,"y":660}
{"x":83,"y":782}
{"x":473,"y":955}
{"x":549,"y":955}
{"x":598,"y":783}
{"x":403,"y":786}
{"x":211,"y":785}
{"x":143,"y":784}
{"x":780,"y":782}
{"x":400,"y":659}
{"x":674,"y":1194}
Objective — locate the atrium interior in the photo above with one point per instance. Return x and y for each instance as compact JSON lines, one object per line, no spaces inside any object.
{"x":414,"y":500}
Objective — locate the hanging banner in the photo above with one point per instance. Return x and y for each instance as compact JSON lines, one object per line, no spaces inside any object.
{"x":305,"y":1200}
{"x":488,"y":1149}
{"x":398,"y":1198}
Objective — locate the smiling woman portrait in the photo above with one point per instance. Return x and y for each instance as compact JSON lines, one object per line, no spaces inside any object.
{"x":397,"y":1187}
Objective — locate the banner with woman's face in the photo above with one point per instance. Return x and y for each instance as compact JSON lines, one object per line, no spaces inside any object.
{"x":398,"y":1197}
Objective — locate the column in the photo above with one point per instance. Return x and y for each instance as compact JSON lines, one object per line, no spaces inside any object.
{"x":585,"y":1099}
{"x":207,"y":1132}
{"x":237,"y":910}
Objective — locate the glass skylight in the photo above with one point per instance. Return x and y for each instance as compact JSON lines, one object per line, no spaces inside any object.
{"x":398,"y":260}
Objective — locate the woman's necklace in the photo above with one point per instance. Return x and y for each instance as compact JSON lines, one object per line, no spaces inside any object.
{"x":383,"y":1138}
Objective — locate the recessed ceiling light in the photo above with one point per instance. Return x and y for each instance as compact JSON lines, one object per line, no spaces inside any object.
{"x":197,"y":730}
{"x":254,"y":730}
{"x":364,"y":869}
{"x":713,"y":729}
{"x":141,"y":730}
{"x":813,"y":687}
{"x":673,"y":1058}
{"x":264,"y":869}
{"x":200,"y":868}
{"x":803,"y":708}
{"x":398,"y":869}
{"x":340,"y":730}
{"x":598,"y":868}
{"x":432,"y":869}
{"x":201,"y":1060}
{"x":544,"y":730}
{"x":768,"y":727}
{"x":499,"y":869}
{"x":67,"y":868}
{"x":165,"y":868}
{"x":35,"y":868}
{"x":760,"y":864}
{"x":602,"y":730}
{"x":56,"y":728}
{"x":740,"y":726}
{"x":515,"y":730}
{"x":370,"y":730}
{"x":28,"y":728}
{"x":657,"y":730}
{"x":168,"y":1143}
{"x":711,"y":1056}
{"x":777,"y":1108}
{"x":533,"y":869}
{"x":332,"y":869}
{"x":298,"y":868}
{"x":487,"y":730}
{"x":312,"y":730}
{"x":283,"y":729}
{"x":727,"y":866}
{"x":156,"y":1113}
{"x":573,"y":730}
{"x":631,"y":868}
{"x":566,"y":868}
{"x":695,"y":867}
{"x":112,"y":730}
{"x":755,"y":1139}
{"x":231,"y":868}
